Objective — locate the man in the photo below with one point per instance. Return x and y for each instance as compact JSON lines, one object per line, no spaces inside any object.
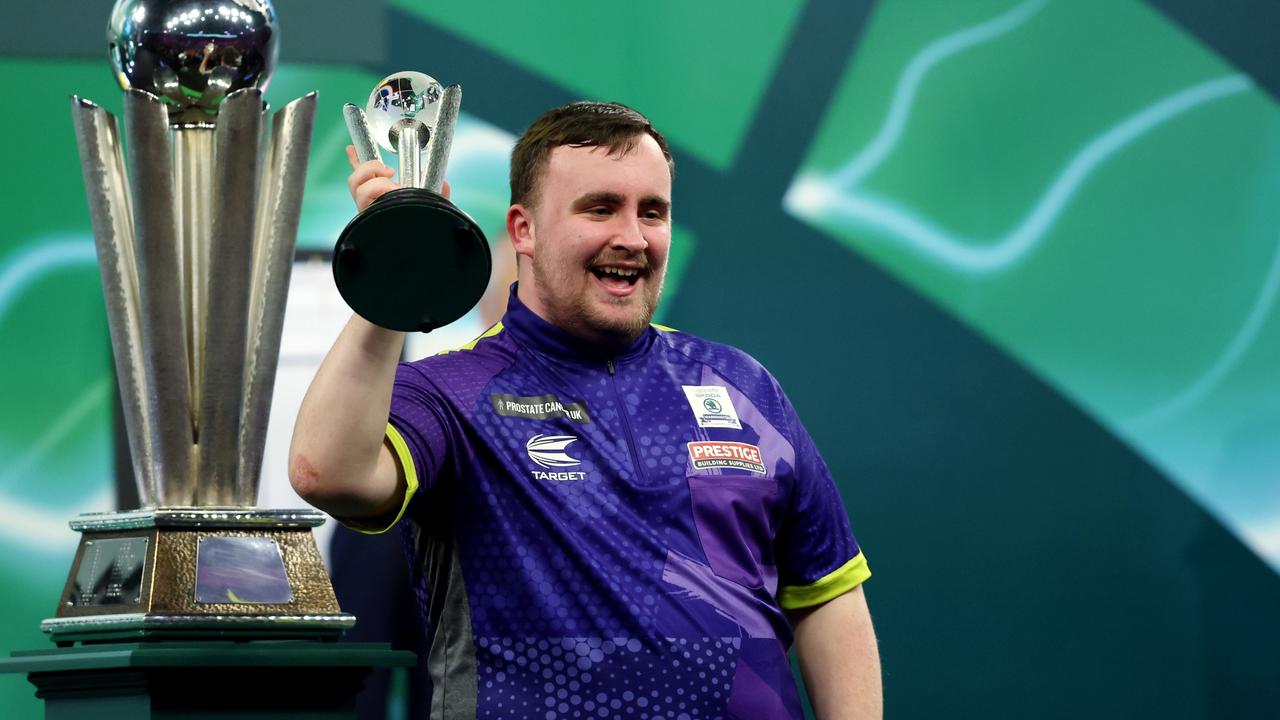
{"x":605,"y":518}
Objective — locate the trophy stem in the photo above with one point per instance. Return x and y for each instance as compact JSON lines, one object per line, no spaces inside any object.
{"x":193,"y":176}
{"x":410,"y":151}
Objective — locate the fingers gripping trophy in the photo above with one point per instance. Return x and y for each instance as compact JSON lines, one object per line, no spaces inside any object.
{"x":411,"y":260}
{"x":195,"y":219}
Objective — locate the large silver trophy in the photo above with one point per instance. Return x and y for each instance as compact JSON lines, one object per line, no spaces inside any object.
{"x":195,"y":222}
{"x":411,"y":260}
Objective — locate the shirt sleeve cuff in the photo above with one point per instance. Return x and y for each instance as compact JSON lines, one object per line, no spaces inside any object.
{"x":377,"y":526}
{"x":832,"y":585}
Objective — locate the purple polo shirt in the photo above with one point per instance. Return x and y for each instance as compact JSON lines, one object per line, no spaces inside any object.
{"x":612,"y":535}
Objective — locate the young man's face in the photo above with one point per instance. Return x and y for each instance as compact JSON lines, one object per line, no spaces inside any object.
{"x":600,"y":234}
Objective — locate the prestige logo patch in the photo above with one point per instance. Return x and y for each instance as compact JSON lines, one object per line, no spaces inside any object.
{"x":539,"y":407}
{"x":711,"y":406}
{"x":724,"y":454}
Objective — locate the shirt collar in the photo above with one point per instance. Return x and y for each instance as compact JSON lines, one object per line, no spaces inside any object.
{"x":540,"y":335}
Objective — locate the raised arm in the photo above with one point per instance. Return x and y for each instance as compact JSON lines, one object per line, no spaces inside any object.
{"x":338,"y":460}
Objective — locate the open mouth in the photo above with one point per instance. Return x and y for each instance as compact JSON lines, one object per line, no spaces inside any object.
{"x":616,"y":276}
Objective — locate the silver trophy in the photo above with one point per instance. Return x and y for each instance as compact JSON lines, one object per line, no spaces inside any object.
{"x":195,"y":222}
{"x":411,"y":260}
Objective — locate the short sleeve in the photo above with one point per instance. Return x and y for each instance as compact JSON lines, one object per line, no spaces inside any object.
{"x":818,"y":556}
{"x":417,"y":434}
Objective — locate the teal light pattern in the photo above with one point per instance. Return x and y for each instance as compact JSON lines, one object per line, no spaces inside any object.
{"x":1110,"y":220}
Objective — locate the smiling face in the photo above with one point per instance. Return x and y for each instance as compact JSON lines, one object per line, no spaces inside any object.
{"x":596,"y":241}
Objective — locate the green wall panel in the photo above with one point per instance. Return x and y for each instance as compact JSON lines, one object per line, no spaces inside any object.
{"x":699,"y":70}
{"x":1076,"y":181}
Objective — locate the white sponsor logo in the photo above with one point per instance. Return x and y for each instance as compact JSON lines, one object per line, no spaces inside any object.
{"x":549,"y":451}
{"x":711,"y":406}
{"x":558,"y":476}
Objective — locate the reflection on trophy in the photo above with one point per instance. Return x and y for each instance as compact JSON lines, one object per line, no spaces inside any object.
{"x":195,"y":223}
{"x":411,"y":260}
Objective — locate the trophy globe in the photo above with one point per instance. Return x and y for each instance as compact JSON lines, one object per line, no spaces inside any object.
{"x":193,"y":53}
{"x":407,"y":99}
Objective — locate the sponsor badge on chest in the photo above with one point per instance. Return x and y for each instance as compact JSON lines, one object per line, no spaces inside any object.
{"x":711,"y":406}
{"x":709,"y":454}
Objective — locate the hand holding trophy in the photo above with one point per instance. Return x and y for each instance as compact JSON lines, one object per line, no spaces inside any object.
{"x":411,"y":260}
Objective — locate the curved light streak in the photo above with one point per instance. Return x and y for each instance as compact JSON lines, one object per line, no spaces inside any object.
{"x":812,"y":195}
{"x":1230,"y":357}
{"x":43,"y":530}
{"x":34,"y":526}
{"x":39,"y":261}
{"x":908,"y":85}
{"x":89,"y":400}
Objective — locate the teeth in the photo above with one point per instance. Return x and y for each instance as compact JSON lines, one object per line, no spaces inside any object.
{"x":620,"y":272}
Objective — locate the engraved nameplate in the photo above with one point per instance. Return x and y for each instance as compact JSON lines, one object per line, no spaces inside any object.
{"x":241,"y":570}
{"x":110,"y":573}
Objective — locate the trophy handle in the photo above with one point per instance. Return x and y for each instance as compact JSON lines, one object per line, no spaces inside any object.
{"x":442,"y":138}
{"x":361,"y":135}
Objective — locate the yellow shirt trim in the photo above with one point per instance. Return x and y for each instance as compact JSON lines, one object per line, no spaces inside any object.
{"x":376,"y":526}
{"x":834,"y":584}
{"x":497,"y":328}
{"x":664,"y":328}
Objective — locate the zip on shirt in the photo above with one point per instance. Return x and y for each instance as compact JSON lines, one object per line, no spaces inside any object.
{"x":625,"y":416}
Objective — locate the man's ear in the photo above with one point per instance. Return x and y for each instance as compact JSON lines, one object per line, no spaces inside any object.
{"x":520,"y":229}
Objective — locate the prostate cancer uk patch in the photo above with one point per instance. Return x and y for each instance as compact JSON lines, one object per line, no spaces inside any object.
{"x":708,"y":454}
{"x":539,"y":407}
{"x":711,"y":406}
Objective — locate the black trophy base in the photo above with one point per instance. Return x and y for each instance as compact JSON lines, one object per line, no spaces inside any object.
{"x":207,"y":680}
{"x":412,"y":261}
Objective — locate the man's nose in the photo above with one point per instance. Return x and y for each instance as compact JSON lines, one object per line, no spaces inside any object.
{"x":630,"y":236}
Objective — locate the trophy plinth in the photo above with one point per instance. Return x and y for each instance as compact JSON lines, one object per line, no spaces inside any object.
{"x":195,"y":238}
{"x":197,"y":573}
{"x":411,"y":261}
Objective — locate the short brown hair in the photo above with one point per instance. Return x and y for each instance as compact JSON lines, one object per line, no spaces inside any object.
{"x":580,"y":124}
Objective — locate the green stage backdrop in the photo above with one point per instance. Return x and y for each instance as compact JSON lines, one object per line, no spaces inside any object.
{"x":1015,"y":261}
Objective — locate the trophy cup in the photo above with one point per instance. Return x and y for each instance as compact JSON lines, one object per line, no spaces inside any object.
{"x":411,"y":260}
{"x":195,"y":237}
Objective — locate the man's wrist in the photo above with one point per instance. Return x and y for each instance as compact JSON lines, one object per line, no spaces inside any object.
{"x":375,"y":339}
